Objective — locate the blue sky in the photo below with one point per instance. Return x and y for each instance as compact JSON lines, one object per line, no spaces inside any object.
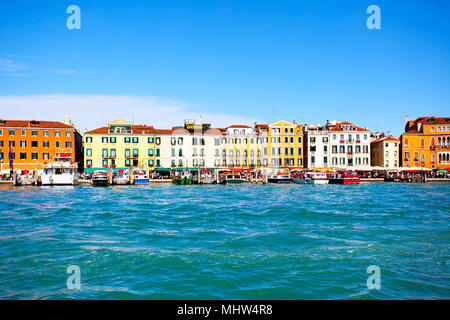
{"x":239,"y":61}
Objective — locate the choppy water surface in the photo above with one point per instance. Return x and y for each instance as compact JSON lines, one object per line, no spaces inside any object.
{"x":225,"y":242}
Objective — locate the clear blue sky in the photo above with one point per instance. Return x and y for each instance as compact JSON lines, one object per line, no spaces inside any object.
{"x":263,"y":60}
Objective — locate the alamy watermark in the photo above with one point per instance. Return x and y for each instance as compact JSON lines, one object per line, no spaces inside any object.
{"x":374,"y":280}
{"x":74,"y":20}
{"x":374,"y":20}
{"x":74,"y":280}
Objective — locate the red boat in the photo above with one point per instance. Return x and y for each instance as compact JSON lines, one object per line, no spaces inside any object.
{"x":343,"y":177}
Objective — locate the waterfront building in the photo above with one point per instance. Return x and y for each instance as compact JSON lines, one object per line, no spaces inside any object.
{"x":120,"y":145}
{"x":426,"y":143}
{"x":349,"y":146}
{"x":242,"y":147}
{"x":317,"y":147}
{"x":28,"y":144}
{"x":384,"y":152}
{"x":285,"y":145}
{"x":194,"y":146}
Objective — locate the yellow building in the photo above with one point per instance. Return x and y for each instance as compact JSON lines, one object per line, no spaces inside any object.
{"x":120,"y":145}
{"x":242,"y":147}
{"x":285,"y":144}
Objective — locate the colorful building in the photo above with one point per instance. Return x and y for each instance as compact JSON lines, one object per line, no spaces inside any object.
{"x":285,"y":144}
{"x":384,"y":152}
{"x":426,"y":143}
{"x":120,"y":145}
{"x":350,"y":146}
{"x":28,"y":144}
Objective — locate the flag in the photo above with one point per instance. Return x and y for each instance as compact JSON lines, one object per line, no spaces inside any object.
{"x":10,"y":157}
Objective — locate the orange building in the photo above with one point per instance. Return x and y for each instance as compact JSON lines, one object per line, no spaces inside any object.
{"x":426,"y":143}
{"x":27,"y":144}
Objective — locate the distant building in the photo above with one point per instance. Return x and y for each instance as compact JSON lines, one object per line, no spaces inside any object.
{"x":285,"y":144}
{"x":426,"y":143}
{"x":350,"y":146}
{"x":317,"y":150}
{"x":28,"y":144}
{"x":384,"y":152}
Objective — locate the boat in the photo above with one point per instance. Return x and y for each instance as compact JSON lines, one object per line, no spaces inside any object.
{"x":100,"y":178}
{"x":184,"y":178}
{"x":279,"y":178}
{"x":62,"y":171}
{"x":311,"y":178}
{"x":343,"y":177}
{"x":230,"y":178}
{"x":140,"y":176}
{"x":122,"y":177}
{"x":23,"y":178}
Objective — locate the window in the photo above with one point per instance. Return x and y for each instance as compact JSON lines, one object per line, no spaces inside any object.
{"x":23,"y":156}
{"x":89,"y":163}
{"x":1,"y":132}
{"x":104,"y":153}
{"x":135,"y":153}
{"x":135,"y":140}
{"x":313,"y":160}
{"x":158,"y":140}
{"x":34,"y":156}
{"x":127,"y":162}
{"x":365,"y":137}
{"x":217,"y":141}
{"x":325,"y":139}
{"x":12,"y":144}
{"x":127,"y":153}
{"x":150,"y":140}
{"x":88,"y":139}
{"x":172,"y":152}
{"x":312,"y":139}
{"x":68,"y":133}
{"x":68,"y":144}
{"x":56,"y":144}
{"x":23,"y":144}
{"x":150,"y":162}
{"x":45,"y":155}
{"x":127,"y":139}
{"x":44,"y":133}
{"x":1,"y":143}
{"x":113,"y":153}
{"x":11,"y":132}
{"x":104,"y":139}
{"x":406,"y":156}
{"x":58,"y":134}
{"x":180,"y":141}
{"x":150,"y":152}
{"x":422,"y":143}
{"x":173,"y":141}
{"x":45,"y":144}
{"x":157,"y":152}
{"x":112,"y":140}
{"x":34,"y":144}
{"x":23,"y":133}
{"x":299,"y":139}
{"x":88,"y":152}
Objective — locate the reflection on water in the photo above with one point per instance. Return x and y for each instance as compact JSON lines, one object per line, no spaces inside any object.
{"x":225,"y":242}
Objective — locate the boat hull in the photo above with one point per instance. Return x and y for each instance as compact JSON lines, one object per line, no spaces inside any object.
{"x":140,"y":181}
{"x":100,"y":183}
{"x":233,"y":182}
{"x":282,"y":180}
{"x":58,"y":180}
{"x":311,"y":181}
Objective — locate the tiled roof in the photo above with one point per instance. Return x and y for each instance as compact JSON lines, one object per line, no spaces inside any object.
{"x":390,"y":138}
{"x":238,"y":126}
{"x":433,"y":120}
{"x":137,"y":129}
{"x":36,"y":124}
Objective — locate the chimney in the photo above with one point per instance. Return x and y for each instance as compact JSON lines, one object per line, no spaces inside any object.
{"x":295,"y":121}
{"x":254,"y":124}
{"x":406,"y":120}
{"x":389,"y":133}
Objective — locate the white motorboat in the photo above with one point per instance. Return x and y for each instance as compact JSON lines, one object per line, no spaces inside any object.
{"x":121,"y":177}
{"x":62,"y":171}
{"x":140,"y":176}
{"x":311,"y":178}
{"x":100,"y":178}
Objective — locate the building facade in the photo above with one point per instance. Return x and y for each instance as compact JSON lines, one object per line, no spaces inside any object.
{"x":384,"y":152}
{"x":350,"y":146}
{"x":28,"y":144}
{"x":317,"y":147}
{"x":120,"y":145}
{"x":426,"y":143}
{"x":285,"y":144}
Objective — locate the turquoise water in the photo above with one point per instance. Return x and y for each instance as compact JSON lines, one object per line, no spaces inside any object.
{"x":225,"y":242}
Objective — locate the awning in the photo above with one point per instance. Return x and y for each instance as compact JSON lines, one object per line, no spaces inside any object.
{"x":443,"y":170}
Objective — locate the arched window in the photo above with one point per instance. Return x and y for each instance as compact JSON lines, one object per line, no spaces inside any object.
{"x":433,"y":141}
{"x":422,"y":158}
{"x":433,"y":158}
{"x":448,"y":141}
{"x":422,"y":143}
{"x":406,"y":142}
{"x":440,"y":157}
{"x":439,"y":141}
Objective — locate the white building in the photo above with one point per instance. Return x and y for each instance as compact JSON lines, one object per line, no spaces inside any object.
{"x":318,"y":147}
